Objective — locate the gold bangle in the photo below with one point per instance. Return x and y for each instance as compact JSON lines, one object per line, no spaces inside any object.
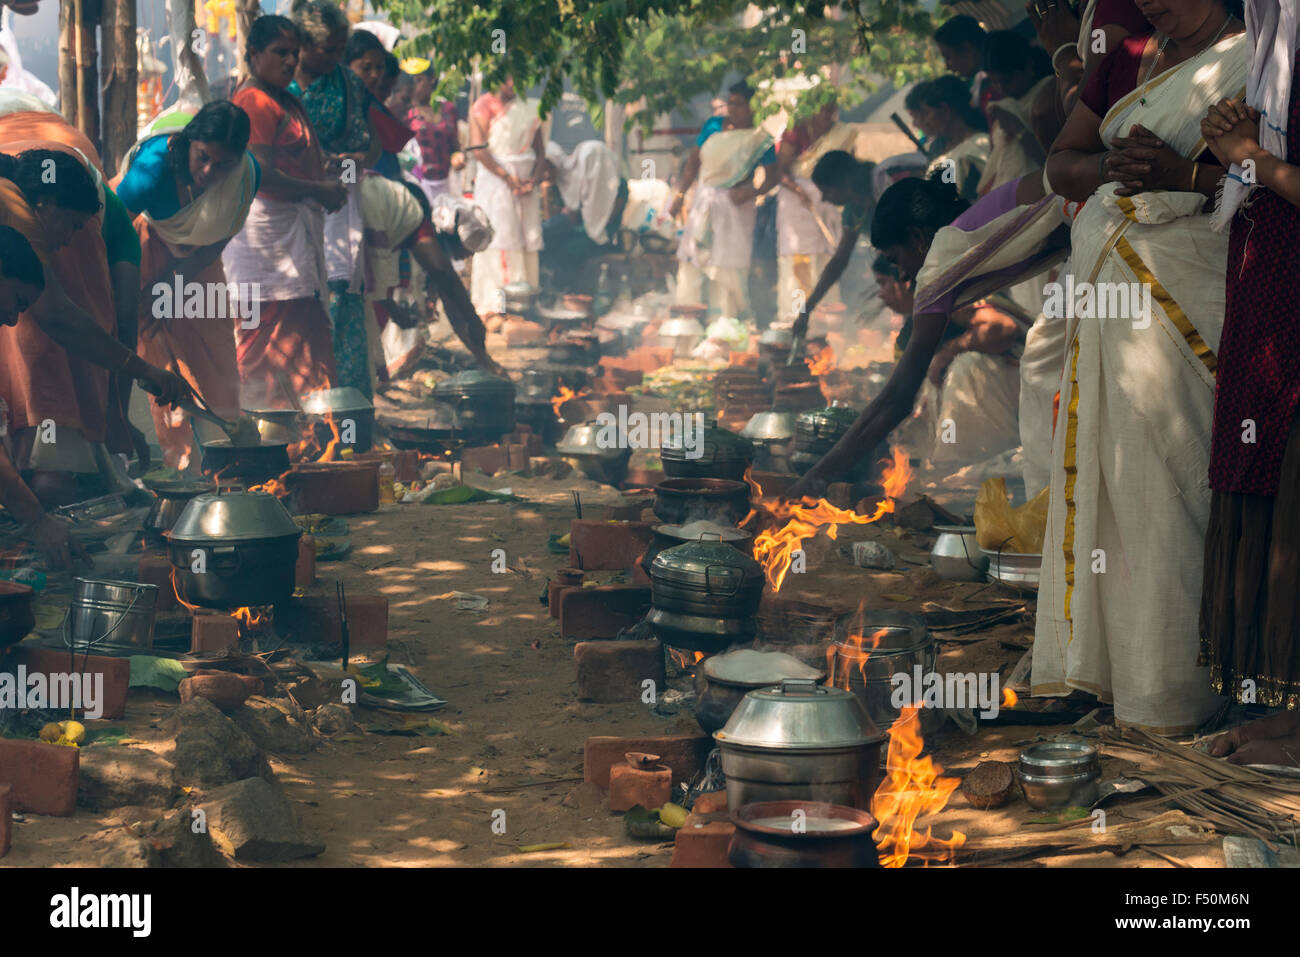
{"x":1196,"y":168}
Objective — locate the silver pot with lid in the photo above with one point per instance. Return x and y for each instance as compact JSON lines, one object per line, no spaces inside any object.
{"x":1058,"y":774}
{"x":234,"y":549}
{"x":483,"y":404}
{"x":713,"y":453}
{"x":585,"y":449}
{"x":817,"y":431}
{"x":704,"y":595}
{"x":670,"y":536}
{"x":800,"y":741}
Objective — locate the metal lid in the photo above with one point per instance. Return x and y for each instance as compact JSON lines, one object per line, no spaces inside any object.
{"x":799,"y":715}
{"x":714,"y":567}
{"x":681,"y":327}
{"x":1057,"y":759}
{"x":715,"y":446}
{"x":746,"y":667}
{"x":777,"y":336}
{"x":178,"y":488}
{"x":832,"y":420}
{"x":703,"y":531}
{"x":584,"y":439}
{"x":233,"y":517}
{"x":475,"y":382}
{"x":770,"y":426}
{"x":344,"y":399}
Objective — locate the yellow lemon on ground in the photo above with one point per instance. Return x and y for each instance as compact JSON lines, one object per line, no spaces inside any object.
{"x":51,"y":733}
{"x":74,"y":731}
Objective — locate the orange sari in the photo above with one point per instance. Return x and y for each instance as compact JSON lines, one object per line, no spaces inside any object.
{"x":40,"y":382}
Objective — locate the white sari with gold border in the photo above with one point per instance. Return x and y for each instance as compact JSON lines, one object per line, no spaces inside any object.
{"x":1122,"y":559}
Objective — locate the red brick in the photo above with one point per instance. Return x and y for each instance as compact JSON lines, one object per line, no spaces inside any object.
{"x":610,"y":546}
{"x":565,"y":578}
{"x":334,"y":488}
{"x":43,"y":777}
{"x":367,"y":619}
{"x":6,"y":819}
{"x":629,"y":786}
{"x":703,"y":841}
{"x":601,"y":611}
{"x":488,"y":459}
{"x":685,"y":754}
{"x":304,"y":572}
{"x":213,"y":633}
{"x":517,"y":455}
{"x":155,"y":569}
{"x":840,"y":494}
{"x":611,"y":671}
{"x":116,"y":672}
{"x":711,"y":802}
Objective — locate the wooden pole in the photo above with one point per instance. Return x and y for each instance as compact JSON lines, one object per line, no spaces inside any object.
{"x":246,"y":11}
{"x":122,"y":81}
{"x":191,"y":79}
{"x":68,"y":61}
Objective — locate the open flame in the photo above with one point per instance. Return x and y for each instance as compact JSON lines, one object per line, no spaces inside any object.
{"x":852,"y":653}
{"x":1009,"y":698}
{"x":822,"y":363}
{"x":249,"y":618}
{"x":275,"y":486}
{"x":775,"y":548}
{"x":564,"y":396}
{"x":913,"y":786}
{"x":686,"y":659}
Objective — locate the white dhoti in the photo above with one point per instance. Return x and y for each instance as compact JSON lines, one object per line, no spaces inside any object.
{"x":974,"y":414}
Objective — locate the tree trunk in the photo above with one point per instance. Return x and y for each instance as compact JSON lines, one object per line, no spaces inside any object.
{"x":122,"y":81}
{"x":191,"y":80}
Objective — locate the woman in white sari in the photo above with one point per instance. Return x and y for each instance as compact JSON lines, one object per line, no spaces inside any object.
{"x":506,"y":189}
{"x":1122,"y":557}
{"x":717,"y":242}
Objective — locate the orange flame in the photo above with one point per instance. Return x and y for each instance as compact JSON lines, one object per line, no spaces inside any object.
{"x":331,"y":452}
{"x":1009,"y":698}
{"x":564,"y":396}
{"x":686,"y":659}
{"x":822,"y":363}
{"x":275,"y":486}
{"x":249,"y":618}
{"x":912,"y":787}
{"x":853,"y":651}
{"x":775,"y":549}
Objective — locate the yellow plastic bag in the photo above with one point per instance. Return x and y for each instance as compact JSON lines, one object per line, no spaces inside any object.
{"x":999,"y":526}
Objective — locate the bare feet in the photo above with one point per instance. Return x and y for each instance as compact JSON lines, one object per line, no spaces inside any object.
{"x":1278,"y":735}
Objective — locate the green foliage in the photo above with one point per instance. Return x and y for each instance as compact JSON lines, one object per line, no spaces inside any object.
{"x":668,"y":51}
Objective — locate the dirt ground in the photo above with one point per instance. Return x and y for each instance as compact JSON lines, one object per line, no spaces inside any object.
{"x":517,"y":746}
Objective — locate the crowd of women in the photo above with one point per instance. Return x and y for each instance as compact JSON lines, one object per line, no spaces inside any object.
{"x":1157,"y":152}
{"x":246,"y":253}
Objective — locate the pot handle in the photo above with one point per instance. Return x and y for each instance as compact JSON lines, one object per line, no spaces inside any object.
{"x":801,"y":686}
{"x":225,"y":559}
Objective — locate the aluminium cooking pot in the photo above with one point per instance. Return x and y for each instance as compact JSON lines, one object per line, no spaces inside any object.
{"x":712,"y":453}
{"x":800,"y":741}
{"x":704,"y":596}
{"x":584,"y":448}
{"x":670,"y":536}
{"x":722,"y":681}
{"x":234,"y":549}
{"x":483,"y":405}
